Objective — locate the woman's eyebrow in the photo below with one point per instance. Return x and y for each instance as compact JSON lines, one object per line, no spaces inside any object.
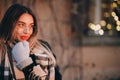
{"x":23,"y":22}
{"x":20,"y":22}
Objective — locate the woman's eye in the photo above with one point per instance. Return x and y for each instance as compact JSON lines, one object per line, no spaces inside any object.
{"x":20,"y":24}
{"x":31,"y":26}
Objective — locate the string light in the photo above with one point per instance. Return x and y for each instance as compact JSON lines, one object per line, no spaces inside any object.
{"x":108,"y":25}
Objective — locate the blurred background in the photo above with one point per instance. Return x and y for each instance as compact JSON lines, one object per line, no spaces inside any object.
{"x":84,"y":35}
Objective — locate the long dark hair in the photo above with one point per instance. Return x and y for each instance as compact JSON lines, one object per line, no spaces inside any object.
{"x":9,"y":20}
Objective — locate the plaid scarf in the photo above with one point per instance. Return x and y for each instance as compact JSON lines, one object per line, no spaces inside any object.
{"x":6,"y":72}
{"x":7,"y":69}
{"x":43,"y":59}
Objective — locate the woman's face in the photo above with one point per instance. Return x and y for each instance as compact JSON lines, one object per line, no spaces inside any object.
{"x":24,"y":27}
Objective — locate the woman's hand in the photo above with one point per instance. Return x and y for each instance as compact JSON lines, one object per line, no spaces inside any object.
{"x":21,"y":54}
{"x":37,"y":73}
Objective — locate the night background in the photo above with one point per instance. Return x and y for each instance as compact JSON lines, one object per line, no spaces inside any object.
{"x":84,"y":35}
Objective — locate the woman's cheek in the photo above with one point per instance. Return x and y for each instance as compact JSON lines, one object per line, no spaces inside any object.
{"x":20,"y":31}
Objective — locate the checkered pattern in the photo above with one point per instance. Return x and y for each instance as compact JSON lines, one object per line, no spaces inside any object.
{"x":7,"y":74}
{"x":5,"y":69}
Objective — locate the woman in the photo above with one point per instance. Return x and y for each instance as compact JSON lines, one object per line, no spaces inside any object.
{"x":22,"y":55}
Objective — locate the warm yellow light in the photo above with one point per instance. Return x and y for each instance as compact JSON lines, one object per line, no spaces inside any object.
{"x":91,"y":26}
{"x":116,"y":18}
{"x":104,"y":5}
{"x":118,"y":22}
{"x":113,"y":14}
{"x":101,"y":32}
{"x":109,"y":26}
{"x":114,"y":5}
{"x":106,"y":14}
{"x":118,"y":28}
{"x":97,"y":27}
{"x":102,"y":22}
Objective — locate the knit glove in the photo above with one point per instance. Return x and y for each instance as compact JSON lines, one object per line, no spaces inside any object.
{"x":20,"y":53}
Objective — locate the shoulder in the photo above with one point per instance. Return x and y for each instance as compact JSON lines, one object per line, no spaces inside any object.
{"x":45,"y":43}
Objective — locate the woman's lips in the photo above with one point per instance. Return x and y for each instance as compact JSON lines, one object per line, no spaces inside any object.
{"x":24,"y":37}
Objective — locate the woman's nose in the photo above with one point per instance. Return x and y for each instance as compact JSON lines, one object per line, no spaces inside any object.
{"x":26,"y":30}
